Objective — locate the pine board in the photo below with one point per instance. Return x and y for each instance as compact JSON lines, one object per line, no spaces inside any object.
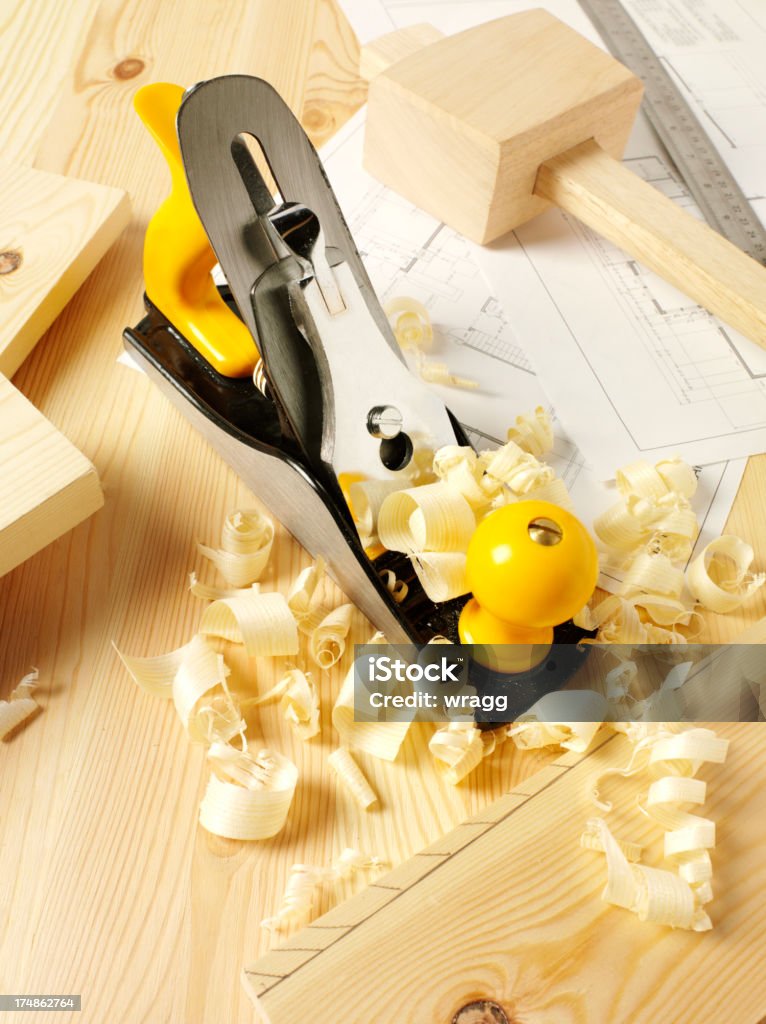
{"x":53,"y":232}
{"x":46,"y":485}
{"x":109,"y":887}
{"x":506,"y":908}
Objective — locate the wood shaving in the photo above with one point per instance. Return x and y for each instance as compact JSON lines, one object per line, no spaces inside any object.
{"x":20,"y":706}
{"x":434,"y":372}
{"x":537,"y":729}
{"x":262,"y":622}
{"x":462,"y":470}
{"x":672,"y":759}
{"x":246,"y":541}
{"x":410,"y":322}
{"x":351,"y":775}
{"x":306,"y":882}
{"x":298,"y":900}
{"x":429,"y":518}
{"x":366,"y":498}
{"x":304,"y":599}
{"x":247,"y":796}
{"x":653,"y":894}
{"x":398,"y":589}
{"x":458,"y":749}
{"x":208,"y":711}
{"x":300,"y":703}
{"x":720,"y":578}
{"x":520,"y":471}
{"x":443,"y":575}
{"x":207,"y":592}
{"x":380,"y":739}
{"x":533,"y":432}
{"x":155,"y":675}
{"x":328,"y":639}
{"x":592,"y":839}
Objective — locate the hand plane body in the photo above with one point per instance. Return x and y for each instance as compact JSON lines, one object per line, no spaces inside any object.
{"x":262,"y":327}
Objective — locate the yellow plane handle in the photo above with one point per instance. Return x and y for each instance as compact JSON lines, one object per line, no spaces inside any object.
{"x":178,"y":257}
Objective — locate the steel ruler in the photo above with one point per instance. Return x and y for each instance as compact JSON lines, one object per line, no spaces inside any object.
{"x":709,"y":180}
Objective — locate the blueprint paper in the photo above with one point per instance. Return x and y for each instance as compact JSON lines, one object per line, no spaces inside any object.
{"x":407,"y":252}
{"x":634,"y":368}
{"x":715,"y":52}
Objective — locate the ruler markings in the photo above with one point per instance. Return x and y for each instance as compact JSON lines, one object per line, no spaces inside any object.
{"x":253,"y":973}
{"x":709,"y":180}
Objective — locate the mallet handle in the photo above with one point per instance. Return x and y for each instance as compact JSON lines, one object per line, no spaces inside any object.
{"x":602,"y":193}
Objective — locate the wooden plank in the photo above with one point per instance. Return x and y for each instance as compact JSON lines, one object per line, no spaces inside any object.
{"x":53,"y":232}
{"x":46,"y":485}
{"x":109,"y":886}
{"x":515,"y":917}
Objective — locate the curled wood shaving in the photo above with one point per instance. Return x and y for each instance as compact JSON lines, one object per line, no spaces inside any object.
{"x":435,"y":372}
{"x":410,"y":322}
{"x":304,"y":599}
{"x":155,"y":675}
{"x":366,"y":498}
{"x":247,"y":796}
{"x":328,"y":640}
{"x":458,"y":749}
{"x":442,"y":574}
{"x":720,"y":578}
{"x":398,"y":589}
{"x":305,"y":883}
{"x":649,"y":534}
{"x":533,"y":432}
{"x":429,"y":518}
{"x":300,"y":703}
{"x":592,"y":839}
{"x":618,"y":622}
{"x":537,"y":729}
{"x":653,"y":894}
{"x":381,"y":739}
{"x":670,"y":476}
{"x":207,"y":592}
{"x":208,"y":711}
{"x":246,"y":541}
{"x":673,"y":759}
{"x":520,"y":471}
{"x":555,"y":491}
{"x":262,"y":622}
{"x":298,"y":899}
{"x":351,"y":775}
{"x":20,"y":705}
{"x":462,"y":470}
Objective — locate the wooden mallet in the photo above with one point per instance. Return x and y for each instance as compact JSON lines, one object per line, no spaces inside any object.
{"x":486,"y":128}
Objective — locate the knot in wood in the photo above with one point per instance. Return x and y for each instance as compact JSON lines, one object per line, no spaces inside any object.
{"x":128,"y":68}
{"x":10,"y":261}
{"x":482,"y":1011}
{"x":318,"y":120}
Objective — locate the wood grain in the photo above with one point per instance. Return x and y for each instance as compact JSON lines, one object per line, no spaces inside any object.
{"x":46,"y":485}
{"x":506,"y":908}
{"x":54,"y":232}
{"x":609,"y":198}
{"x":107,"y":885}
{"x":451,"y":130}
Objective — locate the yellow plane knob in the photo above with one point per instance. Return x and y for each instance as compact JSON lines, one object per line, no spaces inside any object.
{"x":531,"y":566}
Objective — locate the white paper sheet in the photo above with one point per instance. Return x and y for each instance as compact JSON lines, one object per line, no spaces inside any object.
{"x":610,"y":340}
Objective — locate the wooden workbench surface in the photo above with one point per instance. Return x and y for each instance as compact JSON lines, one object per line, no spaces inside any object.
{"x":107,"y":885}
